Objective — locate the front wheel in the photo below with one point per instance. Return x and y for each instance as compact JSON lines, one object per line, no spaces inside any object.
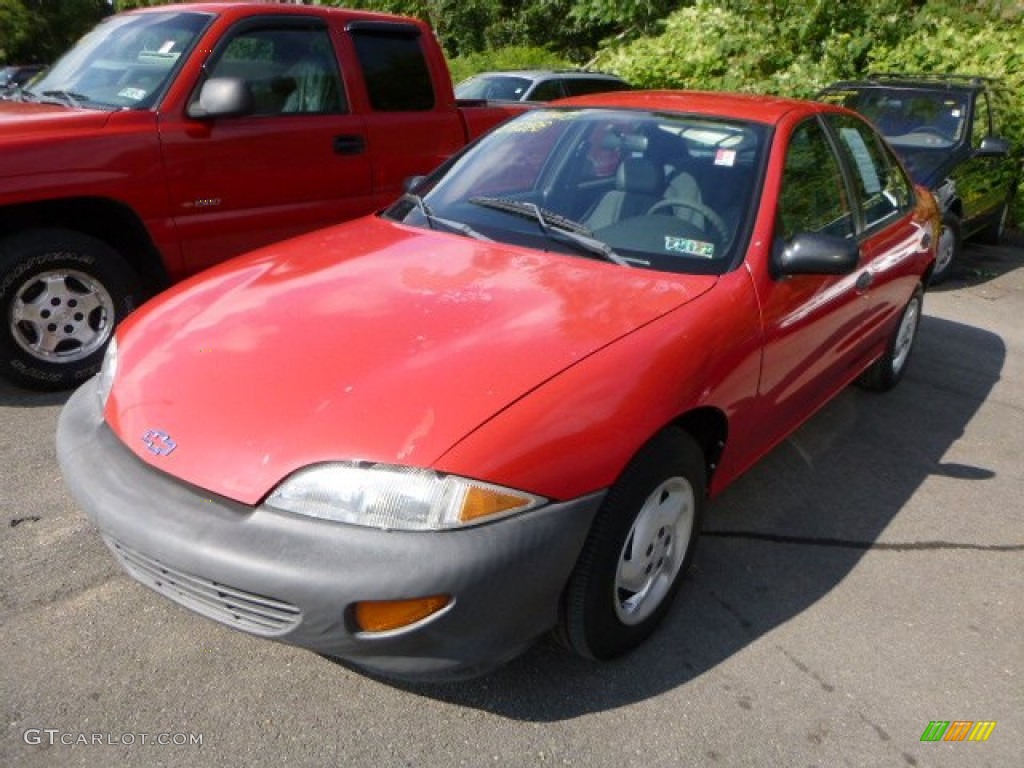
{"x":61,"y":295}
{"x":886,"y":372}
{"x":641,"y":543}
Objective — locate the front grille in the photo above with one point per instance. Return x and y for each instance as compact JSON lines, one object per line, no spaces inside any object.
{"x":257,"y":614}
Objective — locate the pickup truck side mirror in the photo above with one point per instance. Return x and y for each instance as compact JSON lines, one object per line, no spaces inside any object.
{"x":223,"y":97}
{"x":411,"y":182}
{"x":993,"y":146}
{"x":811,"y":253}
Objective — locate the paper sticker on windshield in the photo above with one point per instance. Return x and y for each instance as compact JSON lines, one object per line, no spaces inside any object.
{"x":725,"y":157}
{"x":688,"y":247}
{"x":135,"y":94}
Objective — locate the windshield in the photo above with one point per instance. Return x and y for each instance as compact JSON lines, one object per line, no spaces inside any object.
{"x":124,"y":62}
{"x":493,"y":87}
{"x":655,"y":191}
{"x":909,"y":118}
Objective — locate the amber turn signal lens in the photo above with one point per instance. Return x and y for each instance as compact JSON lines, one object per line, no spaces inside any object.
{"x":382,"y":615}
{"x":484,"y":502}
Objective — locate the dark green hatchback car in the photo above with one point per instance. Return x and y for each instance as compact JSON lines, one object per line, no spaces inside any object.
{"x":946,"y":130}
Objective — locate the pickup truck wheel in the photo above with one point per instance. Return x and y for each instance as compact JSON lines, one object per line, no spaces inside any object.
{"x":886,"y":372}
{"x":947,"y":252}
{"x":61,"y":295}
{"x":640,"y":545}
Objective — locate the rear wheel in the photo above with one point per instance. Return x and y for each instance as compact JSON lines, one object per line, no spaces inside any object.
{"x":641,"y":543}
{"x":886,"y":372}
{"x":61,"y":295}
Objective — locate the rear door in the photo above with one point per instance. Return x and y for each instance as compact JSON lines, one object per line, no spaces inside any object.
{"x":299,"y":162}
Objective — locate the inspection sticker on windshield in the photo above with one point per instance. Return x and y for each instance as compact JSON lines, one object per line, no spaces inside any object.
{"x":689,"y":247}
{"x":726,"y":157}
{"x":135,"y":94}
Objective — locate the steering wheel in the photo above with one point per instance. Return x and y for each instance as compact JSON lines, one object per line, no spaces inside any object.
{"x":700,"y":208}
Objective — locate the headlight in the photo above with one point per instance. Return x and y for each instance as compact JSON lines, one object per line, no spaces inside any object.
{"x":105,"y":378}
{"x":391,"y":497}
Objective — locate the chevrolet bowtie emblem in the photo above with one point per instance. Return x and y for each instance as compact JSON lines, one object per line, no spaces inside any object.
{"x":159,"y":443}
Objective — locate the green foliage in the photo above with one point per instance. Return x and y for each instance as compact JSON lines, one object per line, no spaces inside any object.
{"x":510,"y":57}
{"x":41,"y":30}
{"x":17,"y":27}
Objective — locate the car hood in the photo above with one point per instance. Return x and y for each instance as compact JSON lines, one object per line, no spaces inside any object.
{"x":369,"y":341}
{"x":19,"y":119}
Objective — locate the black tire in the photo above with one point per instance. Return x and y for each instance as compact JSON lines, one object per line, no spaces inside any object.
{"x":947,"y":252}
{"x":645,"y":531}
{"x":61,"y":295}
{"x":886,"y":372}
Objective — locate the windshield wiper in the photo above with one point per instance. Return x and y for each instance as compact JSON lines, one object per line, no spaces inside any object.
{"x":70,"y":98}
{"x":434,"y":220}
{"x":555,"y":227}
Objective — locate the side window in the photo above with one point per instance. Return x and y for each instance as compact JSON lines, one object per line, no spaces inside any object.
{"x":880,"y":186}
{"x":980,"y":125}
{"x":547,"y":90}
{"x":581,"y":86}
{"x":289,"y":69}
{"x":395,"y":69}
{"x":813,"y":197}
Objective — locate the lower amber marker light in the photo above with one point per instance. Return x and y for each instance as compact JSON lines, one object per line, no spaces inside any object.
{"x":384,"y":615}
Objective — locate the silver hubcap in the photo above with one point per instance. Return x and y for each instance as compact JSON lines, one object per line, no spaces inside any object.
{"x":944,"y":252}
{"x":61,"y":316}
{"x":905,"y":335}
{"x":654,"y":550}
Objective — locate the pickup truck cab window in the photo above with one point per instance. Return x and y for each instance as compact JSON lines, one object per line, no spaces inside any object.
{"x":289,"y":69}
{"x":394,"y":67}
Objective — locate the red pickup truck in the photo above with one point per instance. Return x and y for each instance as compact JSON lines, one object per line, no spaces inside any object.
{"x":172,"y":138}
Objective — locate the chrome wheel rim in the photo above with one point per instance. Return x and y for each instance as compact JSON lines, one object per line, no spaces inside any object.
{"x":61,"y":316}
{"x":654,"y":550}
{"x":905,"y":335}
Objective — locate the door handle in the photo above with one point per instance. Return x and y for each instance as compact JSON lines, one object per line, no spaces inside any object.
{"x":864,"y":280}
{"x":349,"y":144}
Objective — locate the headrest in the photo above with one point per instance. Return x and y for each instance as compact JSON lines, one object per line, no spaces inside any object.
{"x":636,"y":174}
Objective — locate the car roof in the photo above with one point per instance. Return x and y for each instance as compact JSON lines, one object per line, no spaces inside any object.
{"x":926,"y":82}
{"x":755,"y":108}
{"x":246,"y":9}
{"x":550,"y":72}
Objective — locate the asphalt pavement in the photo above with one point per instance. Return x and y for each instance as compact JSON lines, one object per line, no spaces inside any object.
{"x":861,"y":582}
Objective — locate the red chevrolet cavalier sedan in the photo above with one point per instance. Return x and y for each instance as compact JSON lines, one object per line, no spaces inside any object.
{"x":418,"y":441}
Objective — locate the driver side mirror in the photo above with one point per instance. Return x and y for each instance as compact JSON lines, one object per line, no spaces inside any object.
{"x":223,"y":97}
{"x":993,"y":146}
{"x":812,"y":253}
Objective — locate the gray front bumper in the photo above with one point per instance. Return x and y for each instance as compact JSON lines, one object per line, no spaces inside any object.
{"x":295,"y":579}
